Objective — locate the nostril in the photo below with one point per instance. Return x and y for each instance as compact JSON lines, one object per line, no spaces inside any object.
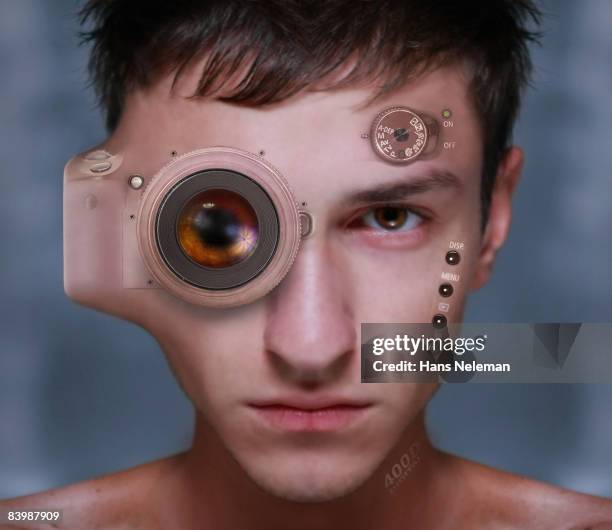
{"x":310,"y":371}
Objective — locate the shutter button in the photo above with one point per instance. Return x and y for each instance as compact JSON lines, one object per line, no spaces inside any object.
{"x":100,"y":167}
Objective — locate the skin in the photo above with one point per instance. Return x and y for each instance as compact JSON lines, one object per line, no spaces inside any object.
{"x":302,"y":339}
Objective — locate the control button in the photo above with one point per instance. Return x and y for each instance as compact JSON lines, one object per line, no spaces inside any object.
{"x":98,"y":155}
{"x":136,"y":182}
{"x":306,"y":224}
{"x":453,"y":257}
{"x":446,"y":290}
{"x":101,"y":167}
{"x":439,"y":321}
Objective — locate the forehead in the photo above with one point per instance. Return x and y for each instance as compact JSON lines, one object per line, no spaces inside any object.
{"x":311,"y":135}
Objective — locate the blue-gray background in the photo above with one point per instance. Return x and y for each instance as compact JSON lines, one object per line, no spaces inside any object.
{"x":83,"y":394}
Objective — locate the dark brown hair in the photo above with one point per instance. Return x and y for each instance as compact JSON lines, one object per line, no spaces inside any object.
{"x":286,"y":46}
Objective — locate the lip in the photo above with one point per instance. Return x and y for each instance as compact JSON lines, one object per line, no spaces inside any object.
{"x":310,"y":415}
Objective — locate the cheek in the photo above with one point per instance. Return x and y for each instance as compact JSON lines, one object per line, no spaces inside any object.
{"x":401,"y":285}
{"x":405,"y":400}
{"x":398,"y":286}
{"x":212,"y":353}
{"x":399,"y":406}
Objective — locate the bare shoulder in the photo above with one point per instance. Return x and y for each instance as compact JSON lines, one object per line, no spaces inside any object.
{"x":113,"y":502}
{"x":521,"y":502}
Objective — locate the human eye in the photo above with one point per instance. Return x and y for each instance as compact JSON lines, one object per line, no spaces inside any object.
{"x":388,"y":218}
{"x":389,"y":226}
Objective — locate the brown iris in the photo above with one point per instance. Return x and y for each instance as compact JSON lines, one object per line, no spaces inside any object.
{"x":217,"y":228}
{"x":390,"y":218}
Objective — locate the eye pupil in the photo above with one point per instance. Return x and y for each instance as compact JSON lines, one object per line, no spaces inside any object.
{"x":390,"y":217}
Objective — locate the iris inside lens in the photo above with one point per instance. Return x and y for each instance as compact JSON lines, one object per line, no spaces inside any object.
{"x":217,"y":228}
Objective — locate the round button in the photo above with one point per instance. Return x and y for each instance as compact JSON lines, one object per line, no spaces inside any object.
{"x":453,"y":257}
{"x":439,"y":321}
{"x":446,"y":290}
{"x":398,"y":135}
{"x":136,"y":182}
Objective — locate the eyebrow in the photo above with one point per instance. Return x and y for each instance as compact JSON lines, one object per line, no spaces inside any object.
{"x":395,"y":191}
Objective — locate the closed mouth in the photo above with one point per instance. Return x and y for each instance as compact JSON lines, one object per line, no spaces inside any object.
{"x":310,"y":417}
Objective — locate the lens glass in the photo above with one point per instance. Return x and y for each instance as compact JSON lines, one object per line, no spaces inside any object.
{"x":217,"y":228}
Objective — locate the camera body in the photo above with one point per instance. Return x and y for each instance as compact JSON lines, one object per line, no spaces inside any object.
{"x":214,"y":227}
{"x":123,"y":230}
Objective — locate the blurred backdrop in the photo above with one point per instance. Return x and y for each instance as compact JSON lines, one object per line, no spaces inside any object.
{"x":84,"y":394}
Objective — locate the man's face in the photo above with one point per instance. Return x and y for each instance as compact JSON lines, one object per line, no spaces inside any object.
{"x":256,"y":372}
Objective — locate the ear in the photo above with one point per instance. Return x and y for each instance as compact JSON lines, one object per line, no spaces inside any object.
{"x":500,"y":214}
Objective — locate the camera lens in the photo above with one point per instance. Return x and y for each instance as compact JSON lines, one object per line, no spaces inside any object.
{"x":217,"y":228}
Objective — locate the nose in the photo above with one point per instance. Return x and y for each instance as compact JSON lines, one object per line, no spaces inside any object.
{"x":310,"y":334}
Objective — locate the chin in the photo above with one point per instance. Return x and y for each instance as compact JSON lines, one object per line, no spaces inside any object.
{"x":310,"y":478}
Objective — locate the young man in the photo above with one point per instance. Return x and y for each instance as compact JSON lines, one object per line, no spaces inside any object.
{"x":286,"y":436}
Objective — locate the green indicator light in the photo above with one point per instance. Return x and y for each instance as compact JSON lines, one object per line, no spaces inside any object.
{"x":446,"y":113}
